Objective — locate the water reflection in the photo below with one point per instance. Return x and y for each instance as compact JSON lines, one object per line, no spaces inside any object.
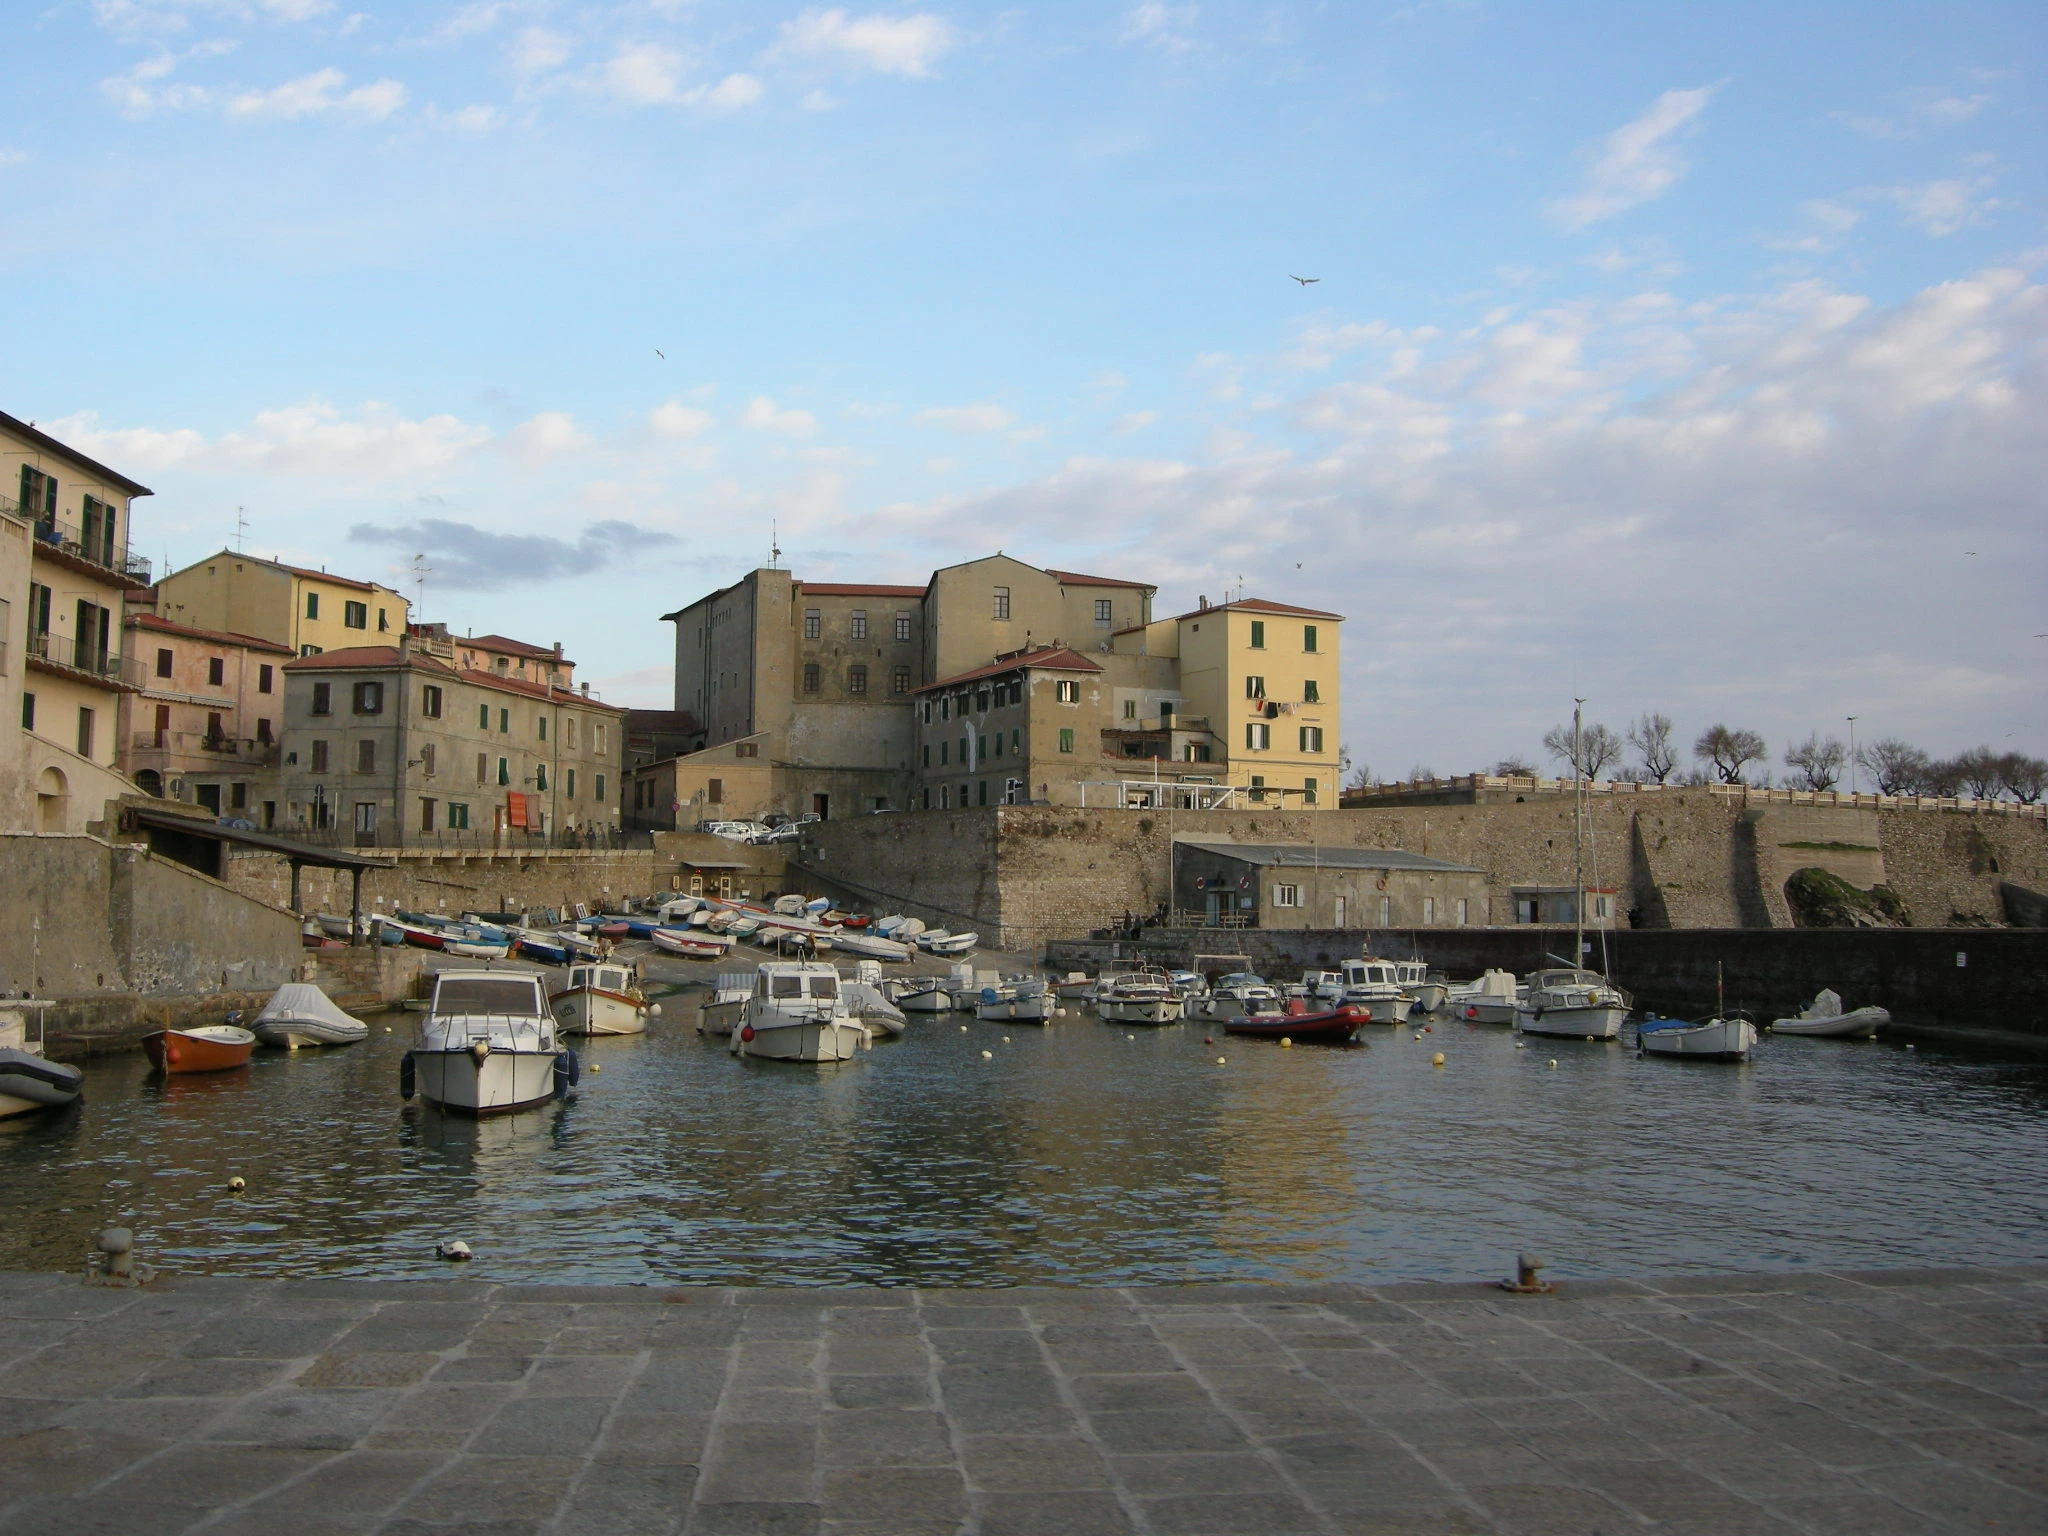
{"x":1076,"y":1153}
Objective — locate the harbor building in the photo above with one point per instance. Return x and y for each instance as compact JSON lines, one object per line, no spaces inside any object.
{"x":310,"y":611}
{"x":394,"y":746}
{"x":1275,"y":885}
{"x":66,"y":578}
{"x":203,"y":725}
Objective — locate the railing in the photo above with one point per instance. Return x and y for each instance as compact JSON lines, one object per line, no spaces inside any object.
{"x":63,"y":651}
{"x":1744,"y":794}
{"x":464,"y":840}
{"x":252,"y":751}
{"x":95,"y":545}
{"x":1182,"y":918}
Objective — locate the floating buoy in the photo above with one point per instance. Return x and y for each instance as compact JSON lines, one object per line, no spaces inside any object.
{"x":387,"y":1029}
{"x":1520,"y":1047}
{"x":1428,"y":1030}
{"x":1437,"y":1060}
{"x":963,"y":1029}
{"x":1418,"y":1034}
{"x":1553,"y":1063}
{"x":1221,"y":1059}
{"x":456,"y":1250}
{"x":1207,"y":1040}
{"x":1006,"y":1039}
{"x":238,"y":1182}
{"x":1286,"y":1044}
{"x":988,"y":1055}
{"x":1130,"y":1037}
{"x":1909,"y":1047}
{"x":595,"y":1067}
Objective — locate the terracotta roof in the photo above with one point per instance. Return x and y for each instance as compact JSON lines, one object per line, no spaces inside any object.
{"x":843,"y":589}
{"x":1260,"y":605}
{"x":1076,"y":579}
{"x":1055,"y":658}
{"x":56,"y":445}
{"x":360,"y":656}
{"x":295,"y":570}
{"x":507,"y":646}
{"x":155,"y":625}
{"x":534,"y":690}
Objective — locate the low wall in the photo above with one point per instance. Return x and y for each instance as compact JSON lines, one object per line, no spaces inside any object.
{"x":491,"y":882}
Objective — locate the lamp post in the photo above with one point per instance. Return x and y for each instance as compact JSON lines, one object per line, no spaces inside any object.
{"x":1854,"y":783}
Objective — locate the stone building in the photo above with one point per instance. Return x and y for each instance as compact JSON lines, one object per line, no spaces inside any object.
{"x":66,"y":578}
{"x":1297,"y":885}
{"x":309,"y":611}
{"x":393,"y":747}
{"x":203,"y":727}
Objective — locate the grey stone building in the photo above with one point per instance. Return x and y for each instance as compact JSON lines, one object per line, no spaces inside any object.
{"x":1307,"y":885}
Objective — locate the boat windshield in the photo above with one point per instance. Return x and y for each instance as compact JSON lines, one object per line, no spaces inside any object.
{"x":513,"y":995}
{"x":824,"y":986}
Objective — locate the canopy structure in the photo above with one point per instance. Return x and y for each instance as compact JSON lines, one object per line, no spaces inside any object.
{"x":199,"y":844}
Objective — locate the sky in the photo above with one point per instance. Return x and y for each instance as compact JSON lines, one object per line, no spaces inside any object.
{"x":1684,"y":359}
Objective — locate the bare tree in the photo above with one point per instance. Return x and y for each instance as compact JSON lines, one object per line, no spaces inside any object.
{"x":1352,"y":775}
{"x":1817,"y":761}
{"x":1598,"y":748}
{"x":1898,"y":767}
{"x":1942,"y":777}
{"x":1513,"y":768}
{"x":1420,"y":771}
{"x":1730,"y":751}
{"x":1651,"y":737}
{"x":2026,"y":778}
{"x":1978,"y":770}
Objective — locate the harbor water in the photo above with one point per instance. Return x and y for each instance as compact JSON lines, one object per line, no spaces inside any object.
{"x":1077,"y":1153}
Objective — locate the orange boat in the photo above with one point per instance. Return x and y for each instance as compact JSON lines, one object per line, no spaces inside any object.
{"x":209,"y":1048}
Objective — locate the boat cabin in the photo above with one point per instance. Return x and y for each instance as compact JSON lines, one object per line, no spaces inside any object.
{"x":1370,"y":973}
{"x":615,"y":979}
{"x":788,"y":980}
{"x":494,"y":994}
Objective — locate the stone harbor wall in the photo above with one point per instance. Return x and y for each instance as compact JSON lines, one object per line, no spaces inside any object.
{"x":473,"y":882}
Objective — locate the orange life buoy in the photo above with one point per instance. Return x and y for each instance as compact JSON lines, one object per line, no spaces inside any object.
{"x":1382,"y":882}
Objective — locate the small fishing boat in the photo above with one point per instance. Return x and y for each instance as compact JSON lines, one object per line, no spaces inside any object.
{"x":869,"y":946}
{"x":923,"y":994}
{"x":1234,"y":996}
{"x":719,"y":1014}
{"x":1489,"y":1000}
{"x":943,"y":943}
{"x":547,"y":948}
{"x":299,"y":1013}
{"x":867,"y":1002}
{"x":601,"y":999}
{"x":690,"y":944}
{"x":487,"y":1045}
{"x":1424,"y":990}
{"x":797,"y":1013}
{"x":1323,"y":986}
{"x":1139,"y":997}
{"x":477,"y":949}
{"x":1825,"y":1017}
{"x":419,"y":935}
{"x":1571,"y":1003}
{"x":1326,"y":1027}
{"x":1017,"y":1002}
{"x":1078,"y":987}
{"x":202,"y":1048}
{"x":1715,"y":1039}
{"x":1374,"y":985}
{"x":28,"y":1079}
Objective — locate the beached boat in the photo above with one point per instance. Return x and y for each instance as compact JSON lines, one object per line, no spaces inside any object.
{"x":797,"y":1013}
{"x":419,"y":935}
{"x":948,"y":943}
{"x":690,"y":944}
{"x":299,"y":1013}
{"x":1707,"y":1040}
{"x":487,"y":1045}
{"x":546,"y":948}
{"x":477,"y":949}
{"x":868,"y":947}
{"x":203,"y":1048}
{"x":601,"y":999}
{"x":1825,"y":1017}
{"x":1374,"y":985}
{"x":1569,"y":1003}
{"x":28,"y":1079}
{"x":1139,"y":997}
{"x":1489,"y":1000}
{"x":1327,"y":1026}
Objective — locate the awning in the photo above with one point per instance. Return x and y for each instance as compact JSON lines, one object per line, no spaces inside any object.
{"x":138,"y":818}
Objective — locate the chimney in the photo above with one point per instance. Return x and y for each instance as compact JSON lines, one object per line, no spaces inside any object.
{"x":1202,"y":604}
{"x":405,"y":647}
{"x":586,"y":690}
{"x":558,"y":650}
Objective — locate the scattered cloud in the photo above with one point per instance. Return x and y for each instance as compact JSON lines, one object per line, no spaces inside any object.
{"x":764,"y":415}
{"x":1160,"y":26}
{"x":468,"y":558}
{"x":537,"y":51}
{"x":1919,"y":113}
{"x":372,"y":445}
{"x":548,"y":435}
{"x":1637,"y":162}
{"x":146,"y":87}
{"x":467,"y":21}
{"x":820,"y":100}
{"x":677,"y":421}
{"x":12,"y":157}
{"x":318,"y":94}
{"x":1109,"y":382}
{"x":1134,"y":421}
{"x":1942,"y":208}
{"x":891,"y":45}
{"x":649,"y":74}
{"x":966,"y":418}
{"x":476,"y":118}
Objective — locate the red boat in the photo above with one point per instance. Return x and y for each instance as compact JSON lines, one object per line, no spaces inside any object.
{"x":1333,"y":1026}
{"x":208,"y":1048}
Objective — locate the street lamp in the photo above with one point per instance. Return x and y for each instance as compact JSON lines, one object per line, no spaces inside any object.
{"x":1854,"y":783}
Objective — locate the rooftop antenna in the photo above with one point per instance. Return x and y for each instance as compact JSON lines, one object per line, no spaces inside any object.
{"x":774,"y":546}
{"x":241,"y":528}
{"x":420,"y":572}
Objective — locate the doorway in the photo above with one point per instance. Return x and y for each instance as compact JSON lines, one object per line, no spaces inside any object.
{"x":822,"y":805}
{"x":1338,"y":916}
{"x":366,"y":823}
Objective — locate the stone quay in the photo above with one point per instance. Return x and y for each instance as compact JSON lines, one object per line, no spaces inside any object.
{"x":1818,"y":1402}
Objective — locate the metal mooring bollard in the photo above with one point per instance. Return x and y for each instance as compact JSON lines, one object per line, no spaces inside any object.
{"x":1526,"y":1282}
{"x":114,"y":1261}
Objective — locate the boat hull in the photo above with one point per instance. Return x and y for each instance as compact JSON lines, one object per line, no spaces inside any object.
{"x":1139,"y":1010}
{"x":592,"y":1011}
{"x":1429,"y":996}
{"x":1715,"y":1040}
{"x":29,"y":1082}
{"x":1596,"y":1023}
{"x":1860,"y":1024}
{"x":1488,"y":1012}
{"x":501,"y":1082}
{"x":217,"y":1048}
{"x":720,"y":1018}
{"x":1383,"y":1009}
{"x":1331,"y":1026}
{"x":292,"y":1034}
{"x":1015,"y":1010}
{"x":811,"y":1040}
{"x":931,"y":1000}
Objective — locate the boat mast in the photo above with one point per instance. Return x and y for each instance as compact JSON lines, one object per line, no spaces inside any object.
{"x":1578,"y":841}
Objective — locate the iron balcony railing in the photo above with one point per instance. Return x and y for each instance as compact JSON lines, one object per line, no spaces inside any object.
{"x":86,"y":657}
{"x":97,"y":543}
{"x":251,"y":750}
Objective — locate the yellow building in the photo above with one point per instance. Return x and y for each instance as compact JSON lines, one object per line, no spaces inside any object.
{"x":310,"y":611}
{"x":65,"y":579}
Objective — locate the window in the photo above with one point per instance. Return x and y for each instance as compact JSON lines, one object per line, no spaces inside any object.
{"x":1067,"y":691}
{"x":1600,"y":908}
{"x":810,"y":677}
{"x":430,"y":701}
{"x":1308,"y":791}
{"x":569,"y":782}
{"x":458,"y":816}
{"x":382,"y":621}
{"x":1198,"y":752}
{"x":714,"y":791}
{"x":1310,"y":693}
{"x":504,"y":771}
{"x":860,"y":623}
{"x":1102,"y":612}
{"x":899,"y":680}
{"x":998,"y":740}
{"x":814,"y":624}
{"x":1258,"y":737}
{"x":483,"y":768}
{"x":263,"y":731}
{"x":946,"y":707}
{"x":927,"y":754}
{"x":1259,"y":788}
{"x":366,"y":819}
{"x":38,"y":492}
{"x":598,"y":793}
{"x":981,"y":702}
{"x":1428,"y":910}
{"x":600,"y":738}
{"x":1255,"y":687}
{"x":28,"y":711}
{"x":309,"y":650}
{"x":747,"y":749}
{"x":1308,"y":637}
{"x":504,"y":722}
{"x":323,"y":699}
{"x":965,"y":761}
{"x":85,"y":725}
{"x":216,"y":671}
{"x":1286,"y":895}
{"x":1462,"y":909}
{"x":1002,"y":603}
{"x":1258,"y":634}
{"x":1066,"y":738}
{"x":355,"y":615}
{"x":312,"y":605}
{"x":570,"y":726}
{"x":857,"y":679}
{"x":163,"y":663}
{"x":1016,"y":736}
{"x":1312,"y":739}
{"x":541,"y":721}
{"x":1130,"y":709}
{"x":981,"y":791}
{"x":540,"y":775}
{"x":426,"y":814}
{"x":366,"y":755}
{"x":319,"y":757}
{"x":214,"y":733}
{"x":1386,"y":911}
{"x":263,"y":678}
{"x":483,"y":717}
{"x":369,"y":698}
{"x":902,"y":626}
{"x":427,"y":759}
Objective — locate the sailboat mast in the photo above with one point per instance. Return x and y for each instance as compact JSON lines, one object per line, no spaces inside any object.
{"x":1578,"y":839}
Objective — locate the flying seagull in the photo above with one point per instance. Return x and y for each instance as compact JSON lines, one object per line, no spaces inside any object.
{"x":1305,"y":281}
{"x":661,"y":354}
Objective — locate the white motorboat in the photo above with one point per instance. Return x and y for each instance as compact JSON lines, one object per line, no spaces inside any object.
{"x":299,"y":1013}
{"x":1016,"y":1002}
{"x":487,"y":1045}
{"x":477,"y":949}
{"x":798,"y":1013}
{"x":602,"y":999}
{"x":1424,"y":990}
{"x":1078,"y":987}
{"x":870,"y":1005}
{"x":923,"y":994}
{"x":719,"y":1014}
{"x":1489,"y":1000}
{"x":1708,"y":1040}
{"x":1240,"y":995}
{"x":1825,"y":1017}
{"x":1572,"y":1004}
{"x":1139,"y":997}
{"x":28,"y":1079}
{"x":690,"y":944}
{"x":1373,"y":987}
{"x":1326,"y":987}
{"x":948,"y":943}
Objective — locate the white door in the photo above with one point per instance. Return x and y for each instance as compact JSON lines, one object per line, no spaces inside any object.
{"x":1339,"y":921}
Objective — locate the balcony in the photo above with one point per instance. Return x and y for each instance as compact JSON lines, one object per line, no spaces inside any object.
{"x":93,"y":547}
{"x":247,"y":751}
{"x":61,"y":654}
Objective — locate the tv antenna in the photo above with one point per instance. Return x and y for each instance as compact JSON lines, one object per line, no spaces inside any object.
{"x":420,"y":572}
{"x":774,"y":546}
{"x":241,"y":528}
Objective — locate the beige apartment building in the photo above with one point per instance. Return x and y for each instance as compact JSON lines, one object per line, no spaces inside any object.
{"x":309,"y":611}
{"x":391,"y":746}
{"x":203,"y":727}
{"x":66,"y":577}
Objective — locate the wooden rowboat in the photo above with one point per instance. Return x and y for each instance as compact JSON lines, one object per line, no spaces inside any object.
{"x":207,"y":1048}
{"x":1331,"y":1026}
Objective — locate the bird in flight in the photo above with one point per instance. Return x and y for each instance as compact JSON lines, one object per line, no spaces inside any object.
{"x":1305,"y":281}
{"x":661,"y":354}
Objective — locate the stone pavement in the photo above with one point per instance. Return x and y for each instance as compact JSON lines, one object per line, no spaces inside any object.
{"x":1851,"y":1402}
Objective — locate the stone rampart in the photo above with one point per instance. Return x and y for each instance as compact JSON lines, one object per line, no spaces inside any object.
{"x":489,"y":882}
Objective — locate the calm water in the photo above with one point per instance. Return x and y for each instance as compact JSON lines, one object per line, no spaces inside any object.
{"x":1075,"y":1155}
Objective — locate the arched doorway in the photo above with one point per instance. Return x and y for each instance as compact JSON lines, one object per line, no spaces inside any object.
{"x":53,"y":799}
{"x":150,"y":782}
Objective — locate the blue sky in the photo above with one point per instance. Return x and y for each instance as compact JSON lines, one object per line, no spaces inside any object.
{"x":1688,"y":358}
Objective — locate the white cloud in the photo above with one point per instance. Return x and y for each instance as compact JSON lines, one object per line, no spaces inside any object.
{"x":891,"y":45}
{"x":374,"y":445}
{"x":675,"y":420}
{"x":728,"y":95}
{"x":648,"y":74}
{"x":548,"y":435}
{"x":476,"y":118}
{"x":536,"y":51}
{"x":1160,"y":26}
{"x":1923,"y":110}
{"x":1942,"y":208}
{"x":764,"y":415}
{"x":320,"y":93}
{"x":966,"y":418}
{"x":145,"y":87}
{"x":1638,"y":161}
{"x":469,"y":20}
{"x":13,"y":157}
{"x":819,"y":100}
{"x":1134,"y":421}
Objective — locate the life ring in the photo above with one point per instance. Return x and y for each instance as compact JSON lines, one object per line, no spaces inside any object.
{"x":1382,"y":884}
